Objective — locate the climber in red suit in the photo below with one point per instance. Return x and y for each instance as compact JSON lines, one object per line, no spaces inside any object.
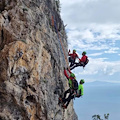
{"x":82,"y":62}
{"x":72,"y":57}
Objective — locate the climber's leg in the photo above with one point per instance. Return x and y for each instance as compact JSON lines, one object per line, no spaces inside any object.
{"x":70,"y":97}
{"x":75,"y":65}
{"x":72,"y":61}
{"x":65,"y":94}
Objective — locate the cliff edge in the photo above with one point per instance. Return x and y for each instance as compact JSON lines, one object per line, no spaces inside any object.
{"x":32,"y":61}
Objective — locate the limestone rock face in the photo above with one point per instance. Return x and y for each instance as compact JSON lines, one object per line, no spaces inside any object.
{"x":32,"y":61}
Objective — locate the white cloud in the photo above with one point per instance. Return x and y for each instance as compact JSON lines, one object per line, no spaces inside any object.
{"x":112,"y":50}
{"x":94,"y":25}
{"x":80,"y":12}
{"x":101,"y":38}
{"x":95,"y":54}
{"x":99,"y":66}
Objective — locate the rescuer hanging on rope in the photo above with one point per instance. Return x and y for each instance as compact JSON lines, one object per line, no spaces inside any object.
{"x":73,"y":87}
{"x":72,"y":57}
{"x":74,"y":90}
{"x":77,"y":94}
{"x":82,"y":62}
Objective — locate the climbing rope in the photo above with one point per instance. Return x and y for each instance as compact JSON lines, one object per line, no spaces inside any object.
{"x":52,"y":19}
{"x":63,"y":49}
{"x":54,"y":25}
{"x":59,"y":39}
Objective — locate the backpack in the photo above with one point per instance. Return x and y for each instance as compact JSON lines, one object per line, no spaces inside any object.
{"x":86,"y":62}
{"x":75,"y":84}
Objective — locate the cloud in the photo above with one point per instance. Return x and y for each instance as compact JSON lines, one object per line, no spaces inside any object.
{"x":112,"y":50}
{"x":80,"y":12}
{"x":99,"y":66}
{"x":101,"y":38}
{"x":95,"y":54}
{"x":94,"y":26}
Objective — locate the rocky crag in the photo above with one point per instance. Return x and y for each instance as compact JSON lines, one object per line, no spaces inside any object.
{"x":32,"y":61}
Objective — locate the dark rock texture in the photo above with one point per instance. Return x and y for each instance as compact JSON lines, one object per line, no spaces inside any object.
{"x":32,"y":61}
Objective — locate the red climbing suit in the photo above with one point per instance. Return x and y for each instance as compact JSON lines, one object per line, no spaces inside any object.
{"x":65,"y":73}
{"x":73,"y":55}
{"x":83,"y":59}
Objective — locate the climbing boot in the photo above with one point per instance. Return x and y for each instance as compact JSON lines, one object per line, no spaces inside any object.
{"x":64,"y":106}
{"x":60,"y":100}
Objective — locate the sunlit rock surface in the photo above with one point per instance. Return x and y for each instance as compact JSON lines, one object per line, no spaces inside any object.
{"x":32,"y":61}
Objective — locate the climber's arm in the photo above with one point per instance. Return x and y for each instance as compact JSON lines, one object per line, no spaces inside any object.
{"x":69,"y":70}
{"x":65,"y":73}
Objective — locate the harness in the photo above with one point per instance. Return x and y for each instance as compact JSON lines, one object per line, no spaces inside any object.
{"x":86,"y":62}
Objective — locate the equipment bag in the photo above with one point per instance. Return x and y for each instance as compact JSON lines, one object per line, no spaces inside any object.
{"x":86,"y":62}
{"x":75,"y":84}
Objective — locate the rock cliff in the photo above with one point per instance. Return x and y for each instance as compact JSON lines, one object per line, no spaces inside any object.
{"x":32,"y":61}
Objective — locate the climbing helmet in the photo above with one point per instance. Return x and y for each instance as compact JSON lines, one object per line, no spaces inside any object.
{"x":84,"y":52}
{"x":82,"y":81}
{"x":74,"y":50}
{"x":72,"y":75}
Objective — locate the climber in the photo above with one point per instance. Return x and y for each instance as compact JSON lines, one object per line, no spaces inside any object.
{"x":80,"y":88}
{"x":77,"y":94}
{"x":82,"y":62}
{"x":73,"y":86}
{"x":72,"y":57}
{"x":71,"y":78}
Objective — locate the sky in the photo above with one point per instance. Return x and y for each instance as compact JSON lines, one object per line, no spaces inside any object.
{"x":98,"y":99}
{"x":94,"y":26}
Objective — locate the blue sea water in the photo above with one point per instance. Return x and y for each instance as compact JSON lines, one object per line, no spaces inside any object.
{"x":99,"y":98}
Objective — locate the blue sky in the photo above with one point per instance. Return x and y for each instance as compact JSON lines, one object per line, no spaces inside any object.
{"x":94,"y":26}
{"x":99,"y":99}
